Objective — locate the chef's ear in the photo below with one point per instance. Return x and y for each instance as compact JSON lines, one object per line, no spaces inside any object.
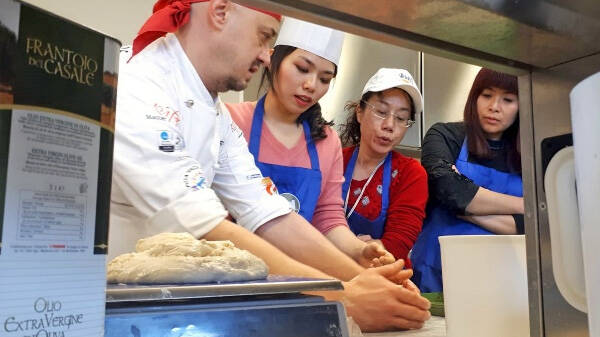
{"x":271,"y":51}
{"x":219,"y":11}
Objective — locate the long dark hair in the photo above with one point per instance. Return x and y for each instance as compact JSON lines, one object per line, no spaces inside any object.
{"x":478,"y":144}
{"x":312,"y":115}
{"x":350,"y":131}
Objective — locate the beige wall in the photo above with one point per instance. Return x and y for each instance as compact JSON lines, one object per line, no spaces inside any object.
{"x":120,"y":19}
{"x":447,"y":84}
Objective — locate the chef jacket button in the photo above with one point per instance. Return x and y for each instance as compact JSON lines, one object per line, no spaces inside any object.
{"x":189,"y":103}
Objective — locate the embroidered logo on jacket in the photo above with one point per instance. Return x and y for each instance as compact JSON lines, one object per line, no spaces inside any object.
{"x":269,"y":186}
{"x":194,"y":178}
{"x":164,"y":113}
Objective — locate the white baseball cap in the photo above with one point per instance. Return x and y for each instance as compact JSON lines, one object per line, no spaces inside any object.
{"x":321,"y":41}
{"x":387,"y":78}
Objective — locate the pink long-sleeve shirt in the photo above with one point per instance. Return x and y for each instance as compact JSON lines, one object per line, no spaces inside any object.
{"x":329,"y":212}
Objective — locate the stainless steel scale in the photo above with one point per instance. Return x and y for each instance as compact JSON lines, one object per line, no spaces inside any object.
{"x":271,"y":307}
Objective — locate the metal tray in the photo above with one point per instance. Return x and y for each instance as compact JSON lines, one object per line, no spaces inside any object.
{"x":274,"y":284}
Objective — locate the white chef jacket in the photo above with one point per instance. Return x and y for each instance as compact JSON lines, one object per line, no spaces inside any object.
{"x":180,"y":162}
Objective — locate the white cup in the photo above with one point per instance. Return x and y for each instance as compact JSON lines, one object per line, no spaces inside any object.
{"x":485,"y":285}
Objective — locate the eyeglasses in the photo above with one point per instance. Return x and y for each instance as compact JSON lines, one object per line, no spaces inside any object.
{"x":383,"y":115}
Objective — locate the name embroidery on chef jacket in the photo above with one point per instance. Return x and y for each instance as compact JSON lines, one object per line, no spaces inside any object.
{"x":165,"y":114}
{"x":194,"y":178}
{"x":253,"y":176}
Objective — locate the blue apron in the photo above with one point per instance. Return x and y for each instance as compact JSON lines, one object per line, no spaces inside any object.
{"x":359,"y":224}
{"x":301,"y":186}
{"x":425,"y":255}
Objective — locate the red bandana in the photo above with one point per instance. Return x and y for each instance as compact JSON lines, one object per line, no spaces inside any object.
{"x":167,"y":17}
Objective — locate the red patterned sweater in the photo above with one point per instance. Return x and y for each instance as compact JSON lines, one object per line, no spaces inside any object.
{"x":408,"y":197}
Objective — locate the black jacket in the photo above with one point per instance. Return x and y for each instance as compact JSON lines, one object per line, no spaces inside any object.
{"x":441,"y":147}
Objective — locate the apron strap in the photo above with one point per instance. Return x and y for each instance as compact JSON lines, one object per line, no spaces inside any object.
{"x":256,"y":132}
{"x":311,"y":147}
{"x":387,"y":178}
{"x":349,"y":172}
{"x":464,"y":151}
{"x":256,"y":128}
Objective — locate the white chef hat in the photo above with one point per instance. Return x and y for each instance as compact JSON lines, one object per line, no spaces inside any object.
{"x":321,"y":41}
{"x":386,"y":78}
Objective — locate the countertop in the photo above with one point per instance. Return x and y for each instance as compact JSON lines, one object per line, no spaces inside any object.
{"x":434,"y":327}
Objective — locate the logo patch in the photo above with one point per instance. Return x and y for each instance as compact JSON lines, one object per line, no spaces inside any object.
{"x":269,"y":186}
{"x":194,"y":178}
{"x":169,"y":141}
{"x":293,"y":200}
{"x":406,"y":79}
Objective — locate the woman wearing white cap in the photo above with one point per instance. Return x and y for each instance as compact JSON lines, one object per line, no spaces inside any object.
{"x":291,"y":142}
{"x":384,"y":192}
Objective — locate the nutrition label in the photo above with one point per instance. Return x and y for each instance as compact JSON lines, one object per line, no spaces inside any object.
{"x":49,"y":215}
{"x":52,"y":177}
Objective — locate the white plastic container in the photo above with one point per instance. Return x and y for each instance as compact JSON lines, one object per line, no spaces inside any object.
{"x":485,"y":285}
{"x":585,"y":117}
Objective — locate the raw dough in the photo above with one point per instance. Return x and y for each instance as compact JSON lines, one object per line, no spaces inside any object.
{"x":180,"y":258}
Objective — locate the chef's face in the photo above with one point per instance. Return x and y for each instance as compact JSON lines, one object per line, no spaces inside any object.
{"x":302,"y":79}
{"x":250,"y":35}
{"x":497,"y":110}
{"x":383,"y":120}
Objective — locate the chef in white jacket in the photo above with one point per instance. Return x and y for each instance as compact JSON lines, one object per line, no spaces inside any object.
{"x":181,"y":164}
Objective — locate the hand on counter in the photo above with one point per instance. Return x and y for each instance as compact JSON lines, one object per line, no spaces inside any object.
{"x":378,"y":304}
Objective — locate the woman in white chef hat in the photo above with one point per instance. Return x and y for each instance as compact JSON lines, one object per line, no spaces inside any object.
{"x":293,"y":144}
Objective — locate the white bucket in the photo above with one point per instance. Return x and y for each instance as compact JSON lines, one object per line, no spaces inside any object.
{"x":585,"y":116}
{"x":485,"y":285}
